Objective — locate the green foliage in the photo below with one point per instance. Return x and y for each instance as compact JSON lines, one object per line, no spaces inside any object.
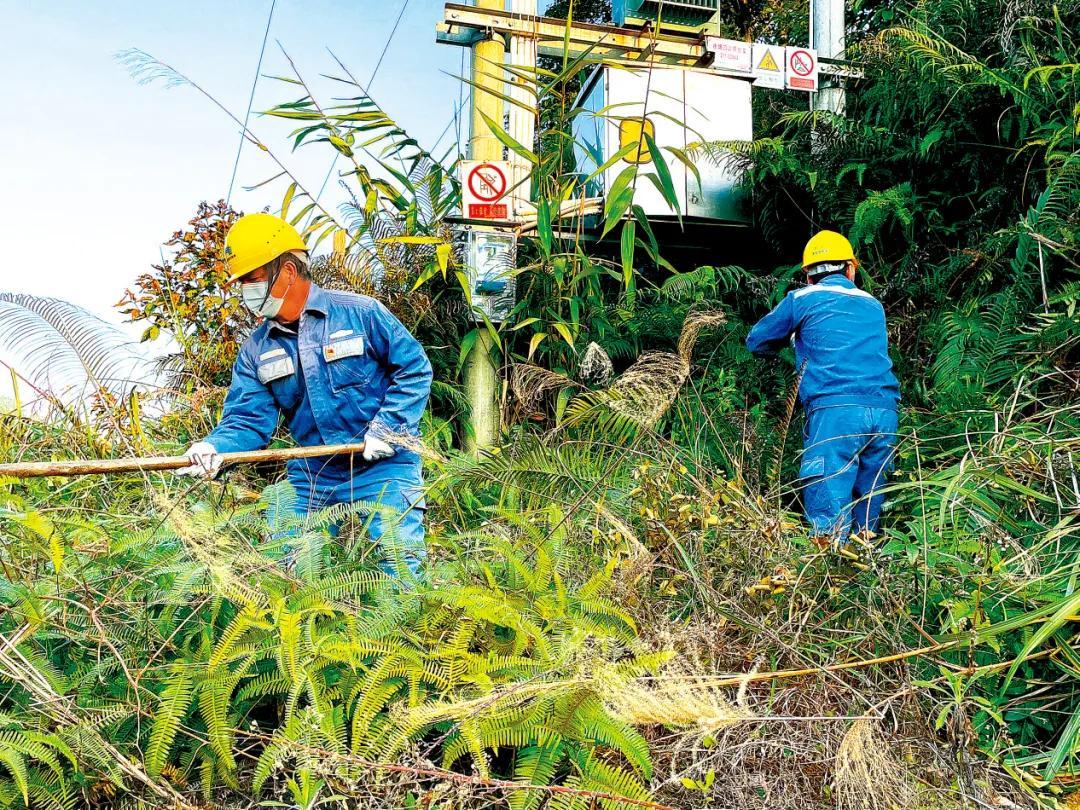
{"x":955,"y":175}
{"x":185,"y":298}
{"x":360,"y":667}
{"x":572,"y":562}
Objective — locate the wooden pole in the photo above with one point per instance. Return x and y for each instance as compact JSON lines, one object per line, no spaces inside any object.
{"x":39,"y":469}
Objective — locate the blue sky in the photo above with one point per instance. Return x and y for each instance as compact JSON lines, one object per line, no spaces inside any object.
{"x":99,"y":170}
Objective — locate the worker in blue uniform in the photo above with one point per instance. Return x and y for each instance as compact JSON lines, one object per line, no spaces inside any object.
{"x":847,"y":388}
{"x":340,"y":368}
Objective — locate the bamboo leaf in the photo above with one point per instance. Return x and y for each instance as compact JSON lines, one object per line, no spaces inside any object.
{"x":626,"y":245}
{"x":442,"y":257}
{"x":1065,"y":610}
{"x":467,"y":344}
{"x":509,"y":142}
{"x":288,"y":199}
{"x":611,"y":161}
{"x":619,"y":198}
{"x":534,"y":343}
{"x":1066,"y":747}
{"x":663,"y":174}
{"x":564,"y":331}
{"x":686,"y":161}
{"x":412,"y":240}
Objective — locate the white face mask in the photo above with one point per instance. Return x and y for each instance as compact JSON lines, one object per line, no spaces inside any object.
{"x":257,"y":299}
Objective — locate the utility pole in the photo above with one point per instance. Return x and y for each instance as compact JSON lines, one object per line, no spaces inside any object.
{"x":522,"y":115}
{"x":828,"y":36}
{"x":481,"y":376}
{"x":490,"y":30}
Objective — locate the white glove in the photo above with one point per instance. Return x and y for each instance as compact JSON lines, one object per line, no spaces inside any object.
{"x":376,"y":449}
{"x":205,"y":460}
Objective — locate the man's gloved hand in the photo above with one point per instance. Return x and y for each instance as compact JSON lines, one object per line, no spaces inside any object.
{"x":376,"y":449}
{"x":205,"y":460}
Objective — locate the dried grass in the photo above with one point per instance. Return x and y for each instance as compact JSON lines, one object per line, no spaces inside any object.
{"x":596,"y":367}
{"x":692,"y":328}
{"x":531,"y":384}
{"x":867,"y":775}
{"x":228,"y":561}
{"x":808,"y":744}
{"x":678,"y":699}
{"x":645,"y":391}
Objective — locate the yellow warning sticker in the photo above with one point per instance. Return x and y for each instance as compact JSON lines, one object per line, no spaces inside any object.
{"x":770,"y":65}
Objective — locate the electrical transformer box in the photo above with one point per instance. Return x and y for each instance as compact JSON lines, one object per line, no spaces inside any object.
{"x":666,"y":15}
{"x":677,"y":108}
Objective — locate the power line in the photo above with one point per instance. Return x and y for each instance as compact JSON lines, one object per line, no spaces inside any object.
{"x":454,"y":117}
{"x":367,"y":90}
{"x":251,"y":100}
{"x":386,"y":47}
{"x":461,"y":103}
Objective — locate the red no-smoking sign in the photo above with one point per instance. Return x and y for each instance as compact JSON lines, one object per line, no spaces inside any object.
{"x":483,"y":186}
{"x":802,"y":69}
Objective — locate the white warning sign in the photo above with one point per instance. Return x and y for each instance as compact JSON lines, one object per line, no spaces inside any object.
{"x":483,"y":189}
{"x":769,"y":61}
{"x":802,"y":69}
{"x":730,"y":54}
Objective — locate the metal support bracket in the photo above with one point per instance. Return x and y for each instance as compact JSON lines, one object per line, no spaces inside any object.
{"x":602,"y":42}
{"x":467,"y":25}
{"x":839,"y":70}
{"x":459,"y":35}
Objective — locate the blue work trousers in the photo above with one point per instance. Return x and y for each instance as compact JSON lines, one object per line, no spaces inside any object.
{"x":397,"y":525}
{"x":847,"y":455}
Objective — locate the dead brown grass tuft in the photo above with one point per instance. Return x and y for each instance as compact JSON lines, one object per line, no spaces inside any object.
{"x":867,"y":775}
{"x":531,"y":384}
{"x":677,"y":698}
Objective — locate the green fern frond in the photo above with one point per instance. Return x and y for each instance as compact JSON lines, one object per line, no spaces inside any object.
{"x":534,"y":765}
{"x":172,"y":707}
{"x":595,"y":723}
{"x":215,"y":697}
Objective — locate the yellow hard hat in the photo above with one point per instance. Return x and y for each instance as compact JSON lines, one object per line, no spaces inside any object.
{"x":258,"y":239}
{"x":827,"y":246}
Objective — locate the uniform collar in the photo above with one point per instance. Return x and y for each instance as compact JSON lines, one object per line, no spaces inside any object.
{"x":837,"y":280}
{"x":318,"y":302}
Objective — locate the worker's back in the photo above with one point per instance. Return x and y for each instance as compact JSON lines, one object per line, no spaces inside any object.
{"x":841,"y":346}
{"x":847,"y":387}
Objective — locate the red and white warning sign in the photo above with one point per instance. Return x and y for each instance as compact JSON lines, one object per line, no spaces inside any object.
{"x":484,"y":188}
{"x":802,"y":69}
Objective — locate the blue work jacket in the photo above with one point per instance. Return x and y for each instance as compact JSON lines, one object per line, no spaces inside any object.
{"x":350,"y":369}
{"x":839,"y":334}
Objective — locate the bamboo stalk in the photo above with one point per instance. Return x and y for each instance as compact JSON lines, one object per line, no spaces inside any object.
{"x":39,"y":469}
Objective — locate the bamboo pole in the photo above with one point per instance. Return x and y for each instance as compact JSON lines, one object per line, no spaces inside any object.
{"x":39,"y":469}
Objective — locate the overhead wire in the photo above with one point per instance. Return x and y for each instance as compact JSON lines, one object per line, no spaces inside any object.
{"x":461,"y":103}
{"x":367,"y":90}
{"x":251,"y":101}
{"x":454,"y":118}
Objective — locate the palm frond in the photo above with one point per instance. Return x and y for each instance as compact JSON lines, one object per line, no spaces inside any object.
{"x":69,"y":353}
